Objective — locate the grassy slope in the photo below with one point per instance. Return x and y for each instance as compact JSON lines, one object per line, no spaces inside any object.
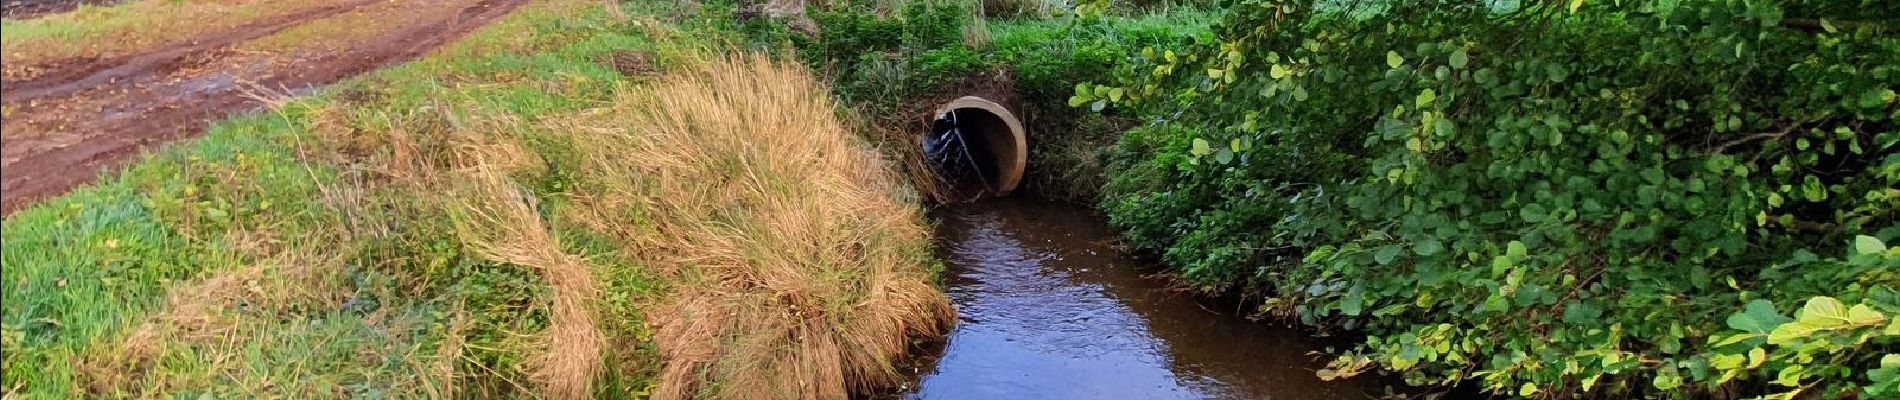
{"x":435,"y":230}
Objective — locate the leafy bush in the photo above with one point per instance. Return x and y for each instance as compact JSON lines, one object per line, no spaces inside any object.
{"x":1568,"y":198}
{"x":893,"y":66}
{"x":1048,"y":58}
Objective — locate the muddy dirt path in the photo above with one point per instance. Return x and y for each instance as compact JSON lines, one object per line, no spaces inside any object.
{"x":62,"y":127}
{"x":28,"y":9}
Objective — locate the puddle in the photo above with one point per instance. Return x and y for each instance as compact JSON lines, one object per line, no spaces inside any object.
{"x":1050,"y":310}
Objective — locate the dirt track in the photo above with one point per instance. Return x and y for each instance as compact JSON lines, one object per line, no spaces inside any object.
{"x":23,"y":9}
{"x":63,"y":126}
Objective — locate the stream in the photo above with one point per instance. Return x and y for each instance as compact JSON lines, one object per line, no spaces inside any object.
{"x":1049,"y":309}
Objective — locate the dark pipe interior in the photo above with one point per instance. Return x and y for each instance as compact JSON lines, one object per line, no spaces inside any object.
{"x":960,"y":150}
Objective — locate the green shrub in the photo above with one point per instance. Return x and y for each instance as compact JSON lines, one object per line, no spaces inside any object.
{"x":1609,"y":198}
{"x":1048,"y":58}
{"x":891,"y":66}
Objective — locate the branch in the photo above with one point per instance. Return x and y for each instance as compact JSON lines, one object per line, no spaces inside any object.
{"x":1812,"y":25}
{"x":1750,"y":138}
{"x":1813,"y":227}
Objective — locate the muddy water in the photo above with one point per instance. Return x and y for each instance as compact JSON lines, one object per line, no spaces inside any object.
{"x":1050,"y":310}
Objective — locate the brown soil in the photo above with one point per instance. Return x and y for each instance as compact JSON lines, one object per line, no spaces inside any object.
{"x":29,"y":9}
{"x":63,"y":126}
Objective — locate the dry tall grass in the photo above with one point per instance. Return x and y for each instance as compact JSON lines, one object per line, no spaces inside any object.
{"x":787,"y":262}
{"x":800,"y":274}
{"x":500,"y":221}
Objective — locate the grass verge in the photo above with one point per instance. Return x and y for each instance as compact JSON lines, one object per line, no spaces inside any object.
{"x":513,"y":216}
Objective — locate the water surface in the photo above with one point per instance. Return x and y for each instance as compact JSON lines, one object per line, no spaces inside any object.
{"x":1050,"y":310}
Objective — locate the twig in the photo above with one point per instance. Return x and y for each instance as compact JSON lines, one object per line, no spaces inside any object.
{"x":1750,"y":138}
{"x":1814,"y":25}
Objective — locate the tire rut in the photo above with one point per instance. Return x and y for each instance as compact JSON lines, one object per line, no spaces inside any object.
{"x":80,"y":74}
{"x":66,"y":134}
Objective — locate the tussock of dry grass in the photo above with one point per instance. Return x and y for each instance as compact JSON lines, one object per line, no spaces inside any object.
{"x":500,"y":222}
{"x":802,"y":274}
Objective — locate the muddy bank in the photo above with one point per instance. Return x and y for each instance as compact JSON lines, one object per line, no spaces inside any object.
{"x":1049,"y":309}
{"x":80,"y":117}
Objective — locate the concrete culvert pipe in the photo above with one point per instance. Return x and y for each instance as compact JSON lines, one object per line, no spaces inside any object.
{"x":975,"y":141}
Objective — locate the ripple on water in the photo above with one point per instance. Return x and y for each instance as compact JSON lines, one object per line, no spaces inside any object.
{"x":1050,"y":310}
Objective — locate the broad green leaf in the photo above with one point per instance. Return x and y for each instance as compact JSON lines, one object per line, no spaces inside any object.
{"x":1527,"y":390}
{"x":1556,"y":72}
{"x":1353,"y":303}
{"x":1428,"y":247}
{"x":1116,"y":94}
{"x":1823,"y":312}
{"x":1812,"y":190}
{"x":1861,"y":314}
{"x":1443,"y":127}
{"x":1666,"y":6}
{"x":1278,"y":71}
{"x":1876,"y":98}
{"x":1516,"y":250}
{"x":1759,"y":316}
{"x":1730,"y":340}
{"x":1426,"y":97}
{"x":1459,"y":58}
{"x":1574,"y":5}
{"x":1533,"y":213}
{"x":1756,"y":357}
{"x":1789,"y":333}
{"x":1201,"y":147}
{"x":1789,"y":376}
{"x":1667,"y":379}
{"x":1499,"y":265}
{"x":1727,"y":361}
{"x":1385,"y":254}
{"x":1394,"y":60}
{"x":1864,"y":244}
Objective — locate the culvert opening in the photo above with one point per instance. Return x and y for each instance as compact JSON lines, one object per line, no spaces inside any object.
{"x":976,"y":148}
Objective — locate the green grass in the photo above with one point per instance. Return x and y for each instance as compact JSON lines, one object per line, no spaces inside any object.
{"x":346,"y":288}
{"x":85,"y":267}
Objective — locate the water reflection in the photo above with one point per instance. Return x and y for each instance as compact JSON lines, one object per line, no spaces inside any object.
{"x":1049,"y":310}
